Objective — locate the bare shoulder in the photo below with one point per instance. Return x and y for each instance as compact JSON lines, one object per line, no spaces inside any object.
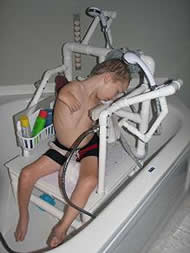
{"x":73,"y":87}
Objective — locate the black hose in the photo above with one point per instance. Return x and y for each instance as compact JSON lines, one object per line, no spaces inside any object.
{"x":5,"y":245}
{"x":128,"y":149}
{"x":8,"y":249}
{"x":64,"y":169}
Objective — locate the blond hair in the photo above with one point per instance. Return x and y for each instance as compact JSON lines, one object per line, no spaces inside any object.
{"x":116,"y":66}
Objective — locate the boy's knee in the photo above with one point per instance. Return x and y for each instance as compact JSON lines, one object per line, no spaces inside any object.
{"x":25,"y":175}
{"x":90,"y":182}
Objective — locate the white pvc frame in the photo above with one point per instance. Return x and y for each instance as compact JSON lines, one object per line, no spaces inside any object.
{"x":143,"y":95}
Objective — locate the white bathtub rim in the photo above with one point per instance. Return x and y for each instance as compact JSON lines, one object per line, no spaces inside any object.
{"x":22,"y":89}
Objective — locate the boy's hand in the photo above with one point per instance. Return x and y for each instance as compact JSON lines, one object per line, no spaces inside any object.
{"x":71,"y":101}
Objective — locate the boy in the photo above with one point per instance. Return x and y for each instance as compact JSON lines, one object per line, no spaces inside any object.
{"x":71,"y":119}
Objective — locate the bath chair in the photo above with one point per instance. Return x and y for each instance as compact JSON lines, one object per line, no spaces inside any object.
{"x":118,"y":119}
{"x":113,"y":117}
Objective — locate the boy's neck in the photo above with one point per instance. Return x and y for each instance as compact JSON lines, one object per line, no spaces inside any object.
{"x":93,"y":83}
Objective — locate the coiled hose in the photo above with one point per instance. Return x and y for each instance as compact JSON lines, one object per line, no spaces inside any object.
{"x":74,"y":147}
{"x":8,"y":249}
{"x":5,"y":245}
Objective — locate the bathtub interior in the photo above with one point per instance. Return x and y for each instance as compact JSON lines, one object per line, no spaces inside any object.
{"x":171,"y":126}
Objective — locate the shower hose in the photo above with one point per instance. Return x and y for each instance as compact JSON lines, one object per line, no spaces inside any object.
{"x":74,"y":147}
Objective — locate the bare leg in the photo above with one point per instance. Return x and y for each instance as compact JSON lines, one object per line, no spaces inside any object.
{"x":28,"y":177}
{"x":86,"y":183}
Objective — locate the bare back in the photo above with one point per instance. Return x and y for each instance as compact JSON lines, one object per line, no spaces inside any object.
{"x":69,"y":125}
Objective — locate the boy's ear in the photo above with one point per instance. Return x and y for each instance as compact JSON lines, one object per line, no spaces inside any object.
{"x":107,"y":77}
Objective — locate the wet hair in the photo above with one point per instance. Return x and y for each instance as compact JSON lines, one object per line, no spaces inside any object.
{"x":119,"y":69}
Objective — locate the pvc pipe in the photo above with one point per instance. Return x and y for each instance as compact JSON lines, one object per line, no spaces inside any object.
{"x":162,"y":115}
{"x":113,"y":129}
{"x":90,"y":31}
{"x":44,"y":81}
{"x":101,"y":58}
{"x":146,"y":137}
{"x":102,"y":151}
{"x":138,"y":90}
{"x":79,"y":48}
{"x":129,"y":115}
{"x":110,"y":36}
{"x":133,"y":130}
{"x":162,"y":92}
{"x":85,"y":49}
{"x":47,"y":207}
{"x":133,"y":149}
{"x":95,"y":113}
{"x":109,"y":22}
{"x":143,"y":127}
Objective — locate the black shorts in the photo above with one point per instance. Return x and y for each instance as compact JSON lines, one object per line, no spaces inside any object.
{"x":90,"y":149}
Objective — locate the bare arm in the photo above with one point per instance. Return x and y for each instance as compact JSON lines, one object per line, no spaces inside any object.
{"x":67,"y":97}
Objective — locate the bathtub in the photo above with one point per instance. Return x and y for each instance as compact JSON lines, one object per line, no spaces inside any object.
{"x":134,"y":218}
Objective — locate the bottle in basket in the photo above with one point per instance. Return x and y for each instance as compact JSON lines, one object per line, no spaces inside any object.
{"x":49,"y":118}
{"x":39,"y":123}
{"x":25,"y":126}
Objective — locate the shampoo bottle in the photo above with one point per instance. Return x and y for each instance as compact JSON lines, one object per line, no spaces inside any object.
{"x":39,"y":123}
{"x":25,"y":126}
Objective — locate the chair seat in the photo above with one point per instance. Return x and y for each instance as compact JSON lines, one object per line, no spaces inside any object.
{"x":119,"y":163}
{"x":47,"y":184}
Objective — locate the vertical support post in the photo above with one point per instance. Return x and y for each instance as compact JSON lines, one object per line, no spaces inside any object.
{"x":143,"y":127}
{"x":102,"y":152}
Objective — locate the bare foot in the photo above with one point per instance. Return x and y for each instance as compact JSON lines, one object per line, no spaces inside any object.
{"x":56,"y":236}
{"x":22,"y":228}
